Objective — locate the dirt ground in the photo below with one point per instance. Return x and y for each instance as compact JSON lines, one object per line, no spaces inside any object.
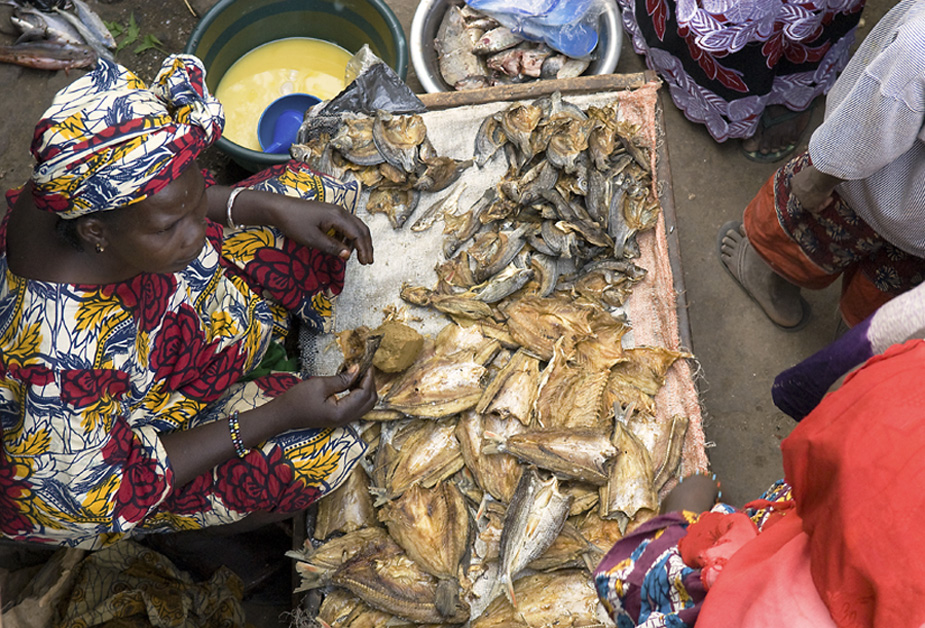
{"x":738,"y":351}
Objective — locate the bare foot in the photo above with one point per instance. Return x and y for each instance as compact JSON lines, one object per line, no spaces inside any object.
{"x":695,"y":493}
{"x":779,"y":298}
{"x":780,"y":129}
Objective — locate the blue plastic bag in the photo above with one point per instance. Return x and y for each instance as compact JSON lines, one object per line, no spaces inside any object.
{"x":569,"y":26}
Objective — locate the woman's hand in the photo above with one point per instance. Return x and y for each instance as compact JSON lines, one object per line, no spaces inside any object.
{"x":310,"y":223}
{"x":305,"y":222}
{"x":317,"y":402}
{"x":813,"y":189}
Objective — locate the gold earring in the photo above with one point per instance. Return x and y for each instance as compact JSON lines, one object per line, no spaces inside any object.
{"x":99,"y":248}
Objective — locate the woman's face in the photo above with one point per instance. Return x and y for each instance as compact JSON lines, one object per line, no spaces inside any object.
{"x":165,"y":232}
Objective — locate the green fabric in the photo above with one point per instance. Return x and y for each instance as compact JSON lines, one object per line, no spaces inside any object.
{"x":275,"y":360}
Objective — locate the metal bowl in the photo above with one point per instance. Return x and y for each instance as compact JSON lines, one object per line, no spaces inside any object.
{"x":430,"y":13}
{"x":232,"y":28}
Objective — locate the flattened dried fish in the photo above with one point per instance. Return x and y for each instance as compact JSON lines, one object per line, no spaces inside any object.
{"x":663,"y":439}
{"x":513,"y":390}
{"x":573,"y":453}
{"x":565,"y":598}
{"x":439,"y":387}
{"x":347,"y":509}
{"x":637,"y":379}
{"x":497,"y":475}
{"x":569,"y":396}
{"x":533,"y":521}
{"x":630,"y":487}
{"x":537,"y":323}
{"x":569,"y":551}
{"x":416,"y":452}
{"x":316,"y":566}
{"x":384,"y":577}
{"x":342,"y":609}
{"x":432,"y":526}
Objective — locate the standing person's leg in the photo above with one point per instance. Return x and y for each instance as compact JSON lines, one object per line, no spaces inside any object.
{"x":787,"y":248}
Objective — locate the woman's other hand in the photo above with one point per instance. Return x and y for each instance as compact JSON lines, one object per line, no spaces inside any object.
{"x":319,"y":402}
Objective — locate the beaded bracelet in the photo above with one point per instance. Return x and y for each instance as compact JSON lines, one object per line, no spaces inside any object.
{"x":229,"y":204}
{"x":235,"y":428}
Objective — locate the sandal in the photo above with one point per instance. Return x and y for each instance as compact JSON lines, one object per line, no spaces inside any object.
{"x":768,"y":121}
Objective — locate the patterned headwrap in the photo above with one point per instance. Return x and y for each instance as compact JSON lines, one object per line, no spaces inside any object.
{"x":108,"y":140}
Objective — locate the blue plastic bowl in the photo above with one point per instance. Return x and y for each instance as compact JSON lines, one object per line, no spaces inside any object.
{"x":233,"y":28}
{"x":267,"y":125}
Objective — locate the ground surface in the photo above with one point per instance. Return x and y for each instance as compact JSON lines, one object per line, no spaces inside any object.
{"x":738,"y":350}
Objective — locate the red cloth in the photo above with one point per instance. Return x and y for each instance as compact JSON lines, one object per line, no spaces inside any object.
{"x":850,"y":554}
{"x":712,"y":540}
{"x":858,"y":477}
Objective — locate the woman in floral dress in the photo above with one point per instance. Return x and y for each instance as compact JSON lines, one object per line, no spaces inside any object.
{"x":134,"y":298}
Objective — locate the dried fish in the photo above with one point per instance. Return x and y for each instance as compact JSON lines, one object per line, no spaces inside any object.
{"x":572,"y":453}
{"x":416,"y":452}
{"x":533,"y":521}
{"x":397,"y":138}
{"x":518,"y":122}
{"x":460,"y":228}
{"x":569,"y":396}
{"x":439,"y":387}
{"x":439,"y":172}
{"x":565,"y":598}
{"x":663,"y":439}
{"x":489,"y":139}
{"x":384,"y":577}
{"x":342,"y":609}
{"x":396,"y":203}
{"x":502,"y":285}
{"x":630,"y":487}
{"x":432,"y":526}
{"x":447,"y":204}
{"x":347,"y":509}
{"x":537,"y":323}
{"x":354,"y":140}
{"x":637,"y":379}
{"x":513,"y":390}
{"x":570,"y":550}
{"x":497,"y":475}
{"x":316,"y":566}
{"x":567,"y":145}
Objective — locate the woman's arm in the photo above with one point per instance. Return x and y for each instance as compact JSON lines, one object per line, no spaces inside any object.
{"x":307,"y":222}
{"x":315,"y":402}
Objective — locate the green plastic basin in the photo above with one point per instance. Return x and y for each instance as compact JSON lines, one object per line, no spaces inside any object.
{"x":234,"y":27}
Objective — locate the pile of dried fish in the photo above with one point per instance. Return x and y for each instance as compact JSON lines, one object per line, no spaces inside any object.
{"x":522,"y":441}
{"x":57,"y":36}
{"x":388,"y":153}
{"x":475,"y":50}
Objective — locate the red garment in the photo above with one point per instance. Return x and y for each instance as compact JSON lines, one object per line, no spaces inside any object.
{"x":711,"y":541}
{"x":858,"y":476}
{"x":849,"y":555}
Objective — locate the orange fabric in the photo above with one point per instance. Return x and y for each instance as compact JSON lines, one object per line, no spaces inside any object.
{"x":857,"y":469}
{"x":859,"y":298}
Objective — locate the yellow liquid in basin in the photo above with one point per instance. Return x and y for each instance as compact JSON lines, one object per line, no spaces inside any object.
{"x":286,"y":66}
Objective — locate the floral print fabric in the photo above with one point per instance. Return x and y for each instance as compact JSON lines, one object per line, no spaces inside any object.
{"x":725,"y":61}
{"x":90,"y":375}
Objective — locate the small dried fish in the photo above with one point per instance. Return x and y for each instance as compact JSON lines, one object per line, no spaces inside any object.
{"x":397,"y":138}
{"x":440,"y":172}
{"x":518,"y":122}
{"x":502,"y":285}
{"x":354,"y":140}
{"x":396,"y":203}
{"x":489,"y":139}
{"x":495,"y":40}
{"x":460,"y":228}
{"x":447,"y":204}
